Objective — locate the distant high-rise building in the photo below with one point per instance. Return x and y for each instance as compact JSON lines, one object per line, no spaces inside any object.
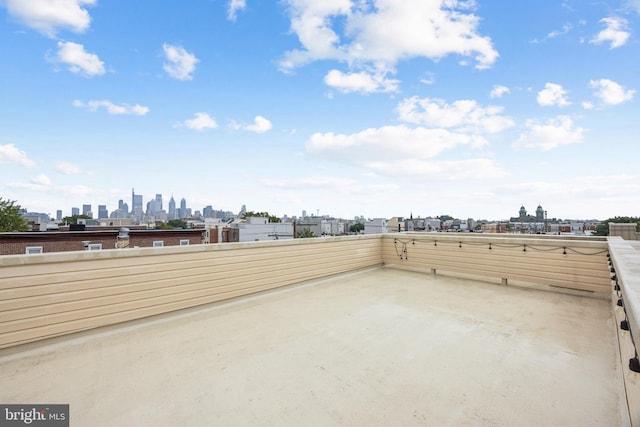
{"x":154,"y":207}
{"x":86,"y":210}
{"x":207,"y":211}
{"x":59,"y":214}
{"x":102,"y":211}
{"x":125,"y":208}
{"x":136,"y":201}
{"x":75,"y":211}
{"x":136,"y":205}
{"x":304,"y":214}
{"x":172,"y":208}
{"x":183,"y":208}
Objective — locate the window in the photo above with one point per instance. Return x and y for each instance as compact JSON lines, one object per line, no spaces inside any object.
{"x":94,"y":247}
{"x":184,"y":242}
{"x":33,"y":250}
{"x":158,"y":243}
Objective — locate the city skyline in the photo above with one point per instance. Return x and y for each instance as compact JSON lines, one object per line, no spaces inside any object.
{"x":173,"y":212}
{"x":378,"y":108}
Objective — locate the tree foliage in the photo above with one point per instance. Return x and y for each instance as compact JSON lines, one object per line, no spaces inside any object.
{"x":10,"y":218}
{"x":73,"y":219}
{"x":305,"y":233}
{"x":603,"y":228}
{"x":272,"y":218}
{"x":172,"y":224}
{"x":357,"y":227}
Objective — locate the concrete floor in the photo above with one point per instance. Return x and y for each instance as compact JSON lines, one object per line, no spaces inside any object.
{"x":379,"y":347}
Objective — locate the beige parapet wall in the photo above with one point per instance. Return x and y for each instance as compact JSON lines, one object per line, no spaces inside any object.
{"x":625,"y":260}
{"x":48,"y":295}
{"x":559,"y":263}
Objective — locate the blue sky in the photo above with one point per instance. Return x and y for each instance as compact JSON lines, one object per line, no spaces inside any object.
{"x":344,"y":107}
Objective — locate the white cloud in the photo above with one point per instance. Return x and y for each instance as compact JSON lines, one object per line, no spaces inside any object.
{"x":498,"y":91}
{"x":633,"y":5}
{"x":180,"y":63}
{"x":612,"y":190}
{"x":260,"y":125}
{"x":616,"y":32}
{"x":41,"y":179}
{"x":309,"y":182}
{"x":201,"y":121}
{"x":610,"y":92}
{"x":380,"y":35}
{"x":386,"y":142}
{"x":556,"y":33}
{"x":428,"y":79}
{"x":9,"y":153}
{"x":448,"y":170}
{"x":67,"y":168}
{"x":403,"y":151}
{"x":554,"y":133}
{"x":553,"y":94}
{"x":94,"y":105}
{"x":49,"y":16}
{"x":39,"y":182}
{"x":329,"y":184}
{"x":361,"y":82}
{"x":587,"y":105}
{"x":234,"y":7}
{"x":78,"y":60}
{"x":76,"y":190}
{"x":465,"y":115}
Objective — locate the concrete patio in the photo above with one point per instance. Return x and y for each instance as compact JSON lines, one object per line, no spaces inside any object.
{"x":380,"y":346}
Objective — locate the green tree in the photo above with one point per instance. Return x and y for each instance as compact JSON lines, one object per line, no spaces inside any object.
{"x":272,"y":218}
{"x":603,"y":228}
{"x":305,"y":234}
{"x":10,"y":218}
{"x":177,"y":223}
{"x":73,"y":219}
{"x":357,"y":227}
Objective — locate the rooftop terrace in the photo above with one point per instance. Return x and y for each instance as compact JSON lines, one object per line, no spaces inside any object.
{"x":378,"y":330}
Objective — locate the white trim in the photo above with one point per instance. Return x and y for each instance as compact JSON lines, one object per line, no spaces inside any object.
{"x":31,"y":250}
{"x":184,"y":242}
{"x":158,"y":243}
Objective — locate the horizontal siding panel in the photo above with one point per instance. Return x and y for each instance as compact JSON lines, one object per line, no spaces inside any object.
{"x":39,"y":300}
{"x":584,"y":266}
{"x":18,"y":276}
{"x":54,"y":294}
{"x":105,"y":275}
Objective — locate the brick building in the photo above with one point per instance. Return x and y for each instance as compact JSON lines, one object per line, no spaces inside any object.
{"x":94,"y":239}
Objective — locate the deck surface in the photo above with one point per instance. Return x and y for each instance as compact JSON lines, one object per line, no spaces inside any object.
{"x":380,"y":347}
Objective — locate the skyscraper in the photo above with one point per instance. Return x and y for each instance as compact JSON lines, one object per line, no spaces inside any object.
{"x":183,"y":208}
{"x":86,"y":210}
{"x":136,"y":205}
{"x":172,"y":208}
{"x":75,"y":211}
{"x":102,"y":211}
{"x":136,"y":201}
